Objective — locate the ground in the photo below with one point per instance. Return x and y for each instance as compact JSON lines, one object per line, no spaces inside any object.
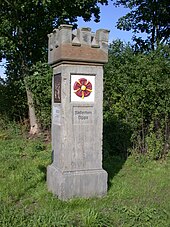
{"x":138,"y":193}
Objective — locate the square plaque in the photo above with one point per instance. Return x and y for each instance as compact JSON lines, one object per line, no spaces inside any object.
{"x":82,"y":88}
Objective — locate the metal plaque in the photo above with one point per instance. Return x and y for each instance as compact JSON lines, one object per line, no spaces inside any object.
{"x":57,"y":88}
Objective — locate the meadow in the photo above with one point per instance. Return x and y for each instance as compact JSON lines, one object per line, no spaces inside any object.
{"x":138,"y":193}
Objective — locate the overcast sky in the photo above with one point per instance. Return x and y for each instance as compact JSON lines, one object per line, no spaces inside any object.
{"x":108,"y":18}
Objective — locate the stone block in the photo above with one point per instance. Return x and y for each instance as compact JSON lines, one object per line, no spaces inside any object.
{"x":85,"y":183}
{"x":81,"y":45}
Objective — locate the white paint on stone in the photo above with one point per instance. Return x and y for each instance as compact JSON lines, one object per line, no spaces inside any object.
{"x":56,"y":115}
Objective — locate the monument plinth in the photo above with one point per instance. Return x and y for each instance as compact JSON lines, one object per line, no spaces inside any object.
{"x":77,"y":58}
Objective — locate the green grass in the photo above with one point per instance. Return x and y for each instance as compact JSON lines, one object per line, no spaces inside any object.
{"x":138,"y":195}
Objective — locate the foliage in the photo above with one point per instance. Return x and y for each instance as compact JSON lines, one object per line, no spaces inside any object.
{"x":137,"y":100}
{"x":23,"y":36}
{"x":13,"y":104}
{"x":137,"y":195}
{"x":25,"y":25}
{"x":150,"y":17}
{"x":40,"y":85}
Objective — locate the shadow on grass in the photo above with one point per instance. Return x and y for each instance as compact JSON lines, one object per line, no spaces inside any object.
{"x":116,"y":141}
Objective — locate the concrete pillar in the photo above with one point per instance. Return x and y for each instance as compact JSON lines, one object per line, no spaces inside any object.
{"x":77,"y":118}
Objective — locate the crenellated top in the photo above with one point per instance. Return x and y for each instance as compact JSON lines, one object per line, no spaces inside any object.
{"x":80,"y":45}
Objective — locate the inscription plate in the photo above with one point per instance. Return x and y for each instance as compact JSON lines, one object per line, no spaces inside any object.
{"x":57,"y":88}
{"x":56,"y":115}
{"x":83,"y":115}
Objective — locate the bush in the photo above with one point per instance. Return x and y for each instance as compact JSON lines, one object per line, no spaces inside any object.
{"x":137,"y":94}
{"x":13,"y":104}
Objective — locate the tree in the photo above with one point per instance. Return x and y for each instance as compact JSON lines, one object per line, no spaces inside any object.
{"x":23,"y":34}
{"x":137,"y":100}
{"x":147,"y":16}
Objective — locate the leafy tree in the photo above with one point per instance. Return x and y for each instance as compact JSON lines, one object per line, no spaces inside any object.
{"x":147,"y":16}
{"x":24,"y":29}
{"x":137,"y":100}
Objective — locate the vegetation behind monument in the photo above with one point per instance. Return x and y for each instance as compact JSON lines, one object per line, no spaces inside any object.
{"x":137,"y":100}
{"x":136,"y":80}
{"x":23,"y":40}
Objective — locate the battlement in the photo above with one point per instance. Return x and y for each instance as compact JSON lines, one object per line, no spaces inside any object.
{"x":80,"y":45}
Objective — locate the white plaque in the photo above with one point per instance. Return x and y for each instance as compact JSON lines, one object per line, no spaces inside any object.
{"x":56,"y":115}
{"x":82,"y":88}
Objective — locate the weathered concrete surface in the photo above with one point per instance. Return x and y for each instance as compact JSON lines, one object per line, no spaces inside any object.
{"x":80,"y":45}
{"x":85,"y":183}
{"x":76,"y":170}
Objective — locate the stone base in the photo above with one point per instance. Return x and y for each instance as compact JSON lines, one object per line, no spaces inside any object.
{"x":66,"y":185}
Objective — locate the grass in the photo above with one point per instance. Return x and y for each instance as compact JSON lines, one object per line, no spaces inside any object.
{"x":138,"y":195}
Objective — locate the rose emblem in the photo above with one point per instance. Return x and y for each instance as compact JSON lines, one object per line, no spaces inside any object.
{"x":82,"y":88}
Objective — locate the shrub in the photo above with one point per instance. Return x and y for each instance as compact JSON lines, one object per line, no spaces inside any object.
{"x":137,"y":94}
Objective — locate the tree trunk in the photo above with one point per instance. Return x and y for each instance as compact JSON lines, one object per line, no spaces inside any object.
{"x":153,"y":38}
{"x":34,"y":129}
{"x":157,"y":36}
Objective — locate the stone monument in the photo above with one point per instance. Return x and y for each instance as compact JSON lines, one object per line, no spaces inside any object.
{"x":77,"y":58}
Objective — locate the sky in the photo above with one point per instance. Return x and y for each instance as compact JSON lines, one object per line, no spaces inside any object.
{"x":109,"y":15}
{"x":108,"y":18}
